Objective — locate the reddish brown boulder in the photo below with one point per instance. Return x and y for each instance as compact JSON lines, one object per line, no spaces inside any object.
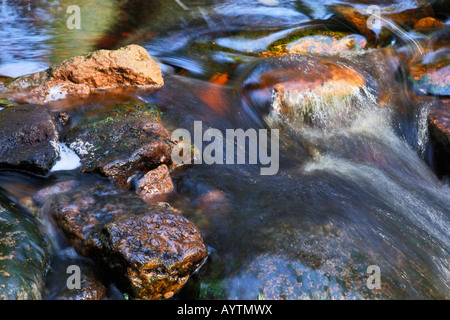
{"x":29,"y":139}
{"x":289,"y":83}
{"x":325,"y":44}
{"x":357,"y":20}
{"x":411,"y":16}
{"x":127,"y":66}
{"x":428,"y":24}
{"x":56,"y":90}
{"x":439,"y":127}
{"x":155,"y":183}
{"x":148,"y":249}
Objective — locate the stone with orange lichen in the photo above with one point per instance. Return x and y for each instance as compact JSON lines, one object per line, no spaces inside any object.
{"x":127,"y":140}
{"x":157,"y":251}
{"x":326,"y":44}
{"x":24,"y":256}
{"x":357,"y":20}
{"x":433,"y":79}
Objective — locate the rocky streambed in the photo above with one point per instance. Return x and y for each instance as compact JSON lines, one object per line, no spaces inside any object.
{"x":150,"y":250}
{"x":88,"y":180}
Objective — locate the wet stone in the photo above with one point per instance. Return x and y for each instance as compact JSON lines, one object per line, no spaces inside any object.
{"x":121,"y":143}
{"x":326,"y":44}
{"x":428,"y":23}
{"x":439,"y":127}
{"x":102,"y":69}
{"x":56,"y":286}
{"x":149,"y":249}
{"x":286,"y":84}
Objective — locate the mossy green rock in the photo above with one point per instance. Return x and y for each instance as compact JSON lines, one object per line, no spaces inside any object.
{"x":23,"y":254}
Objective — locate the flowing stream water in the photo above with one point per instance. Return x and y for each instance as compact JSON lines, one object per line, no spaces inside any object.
{"x":355,"y":187}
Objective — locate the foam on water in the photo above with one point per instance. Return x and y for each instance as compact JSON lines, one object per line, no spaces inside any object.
{"x":68,"y":161}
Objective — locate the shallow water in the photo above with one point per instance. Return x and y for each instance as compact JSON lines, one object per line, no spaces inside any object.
{"x":355,"y":187}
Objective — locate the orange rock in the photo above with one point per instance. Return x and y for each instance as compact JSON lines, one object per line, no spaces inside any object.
{"x":428,"y":23}
{"x":56,"y":90}
{"x":326,"y":79}
{"x":410,"y":16}
{"x":303,"y":88}
{"x":149,"y":250}
{"x":356,"y":20}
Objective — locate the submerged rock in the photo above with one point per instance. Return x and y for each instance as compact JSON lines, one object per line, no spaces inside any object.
{"x":356,"y":20}
{"x":127,"y":66}
{"x":428,"y":24}
{"x":149,"y":249}
{"x":29,"y":139}
{"x":124,"y":141}
{"x":91,"y":287}
{"x":23,"y":254}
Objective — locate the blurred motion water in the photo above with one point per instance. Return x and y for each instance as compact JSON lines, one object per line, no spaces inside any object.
{"x":356,"y":185}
